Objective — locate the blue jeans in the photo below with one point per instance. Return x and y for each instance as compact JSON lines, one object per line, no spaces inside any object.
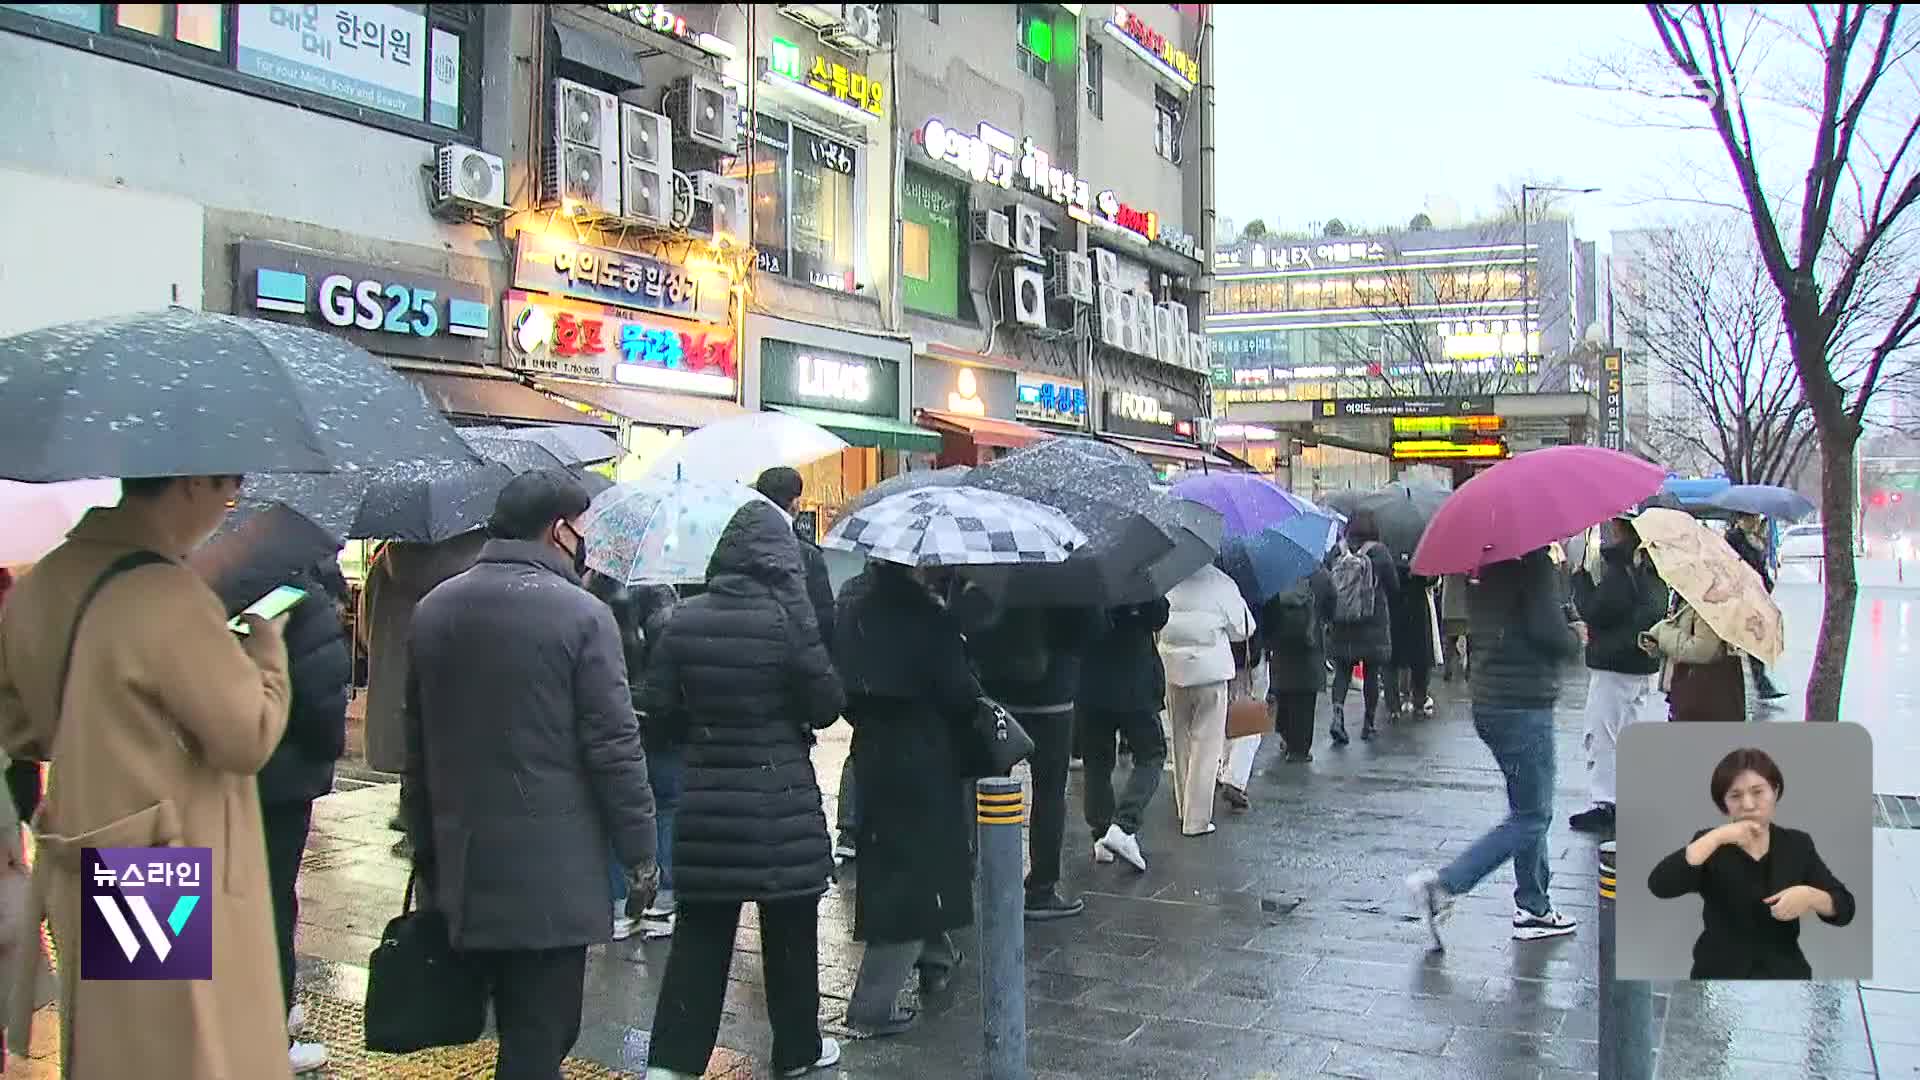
{"x":666,"y":772}
{"x":1522,"y":742}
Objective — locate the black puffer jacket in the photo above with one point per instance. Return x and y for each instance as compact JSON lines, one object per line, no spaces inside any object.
{"x":1371,"y":638}
{"x":745,"y":661}
{"x":1294,"y":632}
{"x":1628,"y":599}
{"x":1122,"y":670}
{"x":642,"y":613}
{"x":319,"y":668}
{"x":1520,"y":634}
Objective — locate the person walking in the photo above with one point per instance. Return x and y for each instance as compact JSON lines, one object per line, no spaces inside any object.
{"x":1294,"y":631}
{"x":524,"y":768}
{"x":1521,"y":639}
{"x":1453,"y":626}
{"x":1206,"y":616}
{"x":1028,"y":660}
{"x":1123,"y":686}
{"x":744,"y":662}
{"x":1620,"y":596}
{"x":1748,"y":538}
{"x":1365,"y":581}
{"x":911,"y":698}
{"x":118,"y":667}
{"x":320,"y":667}
{"x":1250,"y":683}
{"x":1415,"y":642}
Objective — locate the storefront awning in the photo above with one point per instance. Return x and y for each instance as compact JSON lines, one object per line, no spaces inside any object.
{"x":984,"y":431}
{"x":645,"y":406}
{"x":1186,"y":455}
{"x":878,"y":432}
{"x":479,"y":398}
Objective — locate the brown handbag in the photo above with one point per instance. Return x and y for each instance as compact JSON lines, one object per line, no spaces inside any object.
{"x":1248,"y":718}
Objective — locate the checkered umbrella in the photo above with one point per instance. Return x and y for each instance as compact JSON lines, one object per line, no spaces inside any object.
{"x":956,"y":526}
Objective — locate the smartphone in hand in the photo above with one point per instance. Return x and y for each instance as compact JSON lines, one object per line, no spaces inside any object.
{"x":269,"y":607}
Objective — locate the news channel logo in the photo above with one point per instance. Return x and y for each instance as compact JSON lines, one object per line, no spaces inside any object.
{"x":146,"y":913}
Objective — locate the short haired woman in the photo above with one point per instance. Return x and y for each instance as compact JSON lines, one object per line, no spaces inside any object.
{"x":1755,"y":878}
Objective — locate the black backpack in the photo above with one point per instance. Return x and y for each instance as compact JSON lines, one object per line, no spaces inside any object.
{"x":1290,"y":626}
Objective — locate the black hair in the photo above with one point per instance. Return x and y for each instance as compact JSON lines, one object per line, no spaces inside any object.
{"x":1745,"y":759}
{"x":782,"y":485}
{"x":1362,"y":528}
{"x":533,"y":501}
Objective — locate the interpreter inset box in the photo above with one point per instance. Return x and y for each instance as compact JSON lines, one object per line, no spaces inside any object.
{"x":1745,"y":851}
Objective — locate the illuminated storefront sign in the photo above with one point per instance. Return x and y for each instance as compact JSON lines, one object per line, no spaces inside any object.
{"x":570,"y":338}
{"x":962,"y":389}
{"x":1050,"y":401}
{"x":1145,"y":416}
{"x":662,"y":19}
{"x":1613,"y":404}
{"x":1152,"y":46}
{"x":1448,"y":450}
{"x":992,"y":156}
{"x":383,"y":309}
{"x":792,"y":373}
{"x":1408,"y":406}
{"x":831,"y":80}
{"x":1144,"y":408}
{"x":1304,"y":256}
{"x":550,"y":264}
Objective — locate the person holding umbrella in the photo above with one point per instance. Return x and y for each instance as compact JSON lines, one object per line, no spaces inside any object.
{"x":1747,"y":535}
{"x":157,"y":718}
{"x":1123,"y":686}
{"x":1620,"y":596}
{"x":1294,"y":631}
{"x":1725,"y":614}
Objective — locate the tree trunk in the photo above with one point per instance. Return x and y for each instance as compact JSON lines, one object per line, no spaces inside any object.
{"x":1839,"y":513}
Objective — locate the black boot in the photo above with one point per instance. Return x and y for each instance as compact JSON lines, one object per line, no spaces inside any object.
{"x":1338,"y":729}
{"x":1367,"y":730}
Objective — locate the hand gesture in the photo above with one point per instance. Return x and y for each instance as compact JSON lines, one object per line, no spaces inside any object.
{"x":1746,"y":834}
{"x":1792,"y":902}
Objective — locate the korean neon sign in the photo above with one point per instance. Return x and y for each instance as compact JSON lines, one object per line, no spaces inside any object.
{"x":591,"y":341}
{"x":833,"y":81}
{"x":1156,"y":44}
{"x":994,"y":157}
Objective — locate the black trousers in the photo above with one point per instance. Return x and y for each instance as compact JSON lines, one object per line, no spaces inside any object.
{"x":1369,"y":691}
{"x":687,"y":1019}
{"x":1419,"y":686}
{"x":1293,"y":718}
{"x":1141,"y":730}
{"x":536,"y":1007}
{"x":1052,"y":735}
{"x":286,"y":826}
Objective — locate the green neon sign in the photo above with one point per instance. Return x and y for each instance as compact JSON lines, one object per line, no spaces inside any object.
{"x":785,"y":59}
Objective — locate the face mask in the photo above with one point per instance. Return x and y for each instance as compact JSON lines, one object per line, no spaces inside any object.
{"x":579,"y":552}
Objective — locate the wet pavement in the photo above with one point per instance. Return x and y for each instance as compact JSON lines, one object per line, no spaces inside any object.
{"x":1275,"y":948}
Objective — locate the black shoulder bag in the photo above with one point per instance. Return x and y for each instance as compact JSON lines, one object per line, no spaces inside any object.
{"x":420,"y":992}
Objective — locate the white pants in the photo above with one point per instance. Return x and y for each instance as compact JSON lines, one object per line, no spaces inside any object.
{"x":1614,"y":700}
{"x":1197,"y":724}
{"x":1237,"y":768}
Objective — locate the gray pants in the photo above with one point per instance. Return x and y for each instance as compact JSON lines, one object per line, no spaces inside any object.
{"x":884,"y":970}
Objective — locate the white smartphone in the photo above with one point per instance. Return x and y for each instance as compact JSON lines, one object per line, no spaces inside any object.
{"x":269,"y":607}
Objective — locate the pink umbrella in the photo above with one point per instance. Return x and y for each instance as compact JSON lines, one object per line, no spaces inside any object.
{"x":1529,"y":502}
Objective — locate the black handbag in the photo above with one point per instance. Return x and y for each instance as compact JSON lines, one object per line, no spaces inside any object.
{"x":996,"y":741}
{"x":420,"y":993}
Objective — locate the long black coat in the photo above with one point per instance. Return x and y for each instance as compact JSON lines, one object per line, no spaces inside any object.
{"x":524,"y":764}
{"x":1121,"y":670}
{"x":1413,"y":622}
{"x":1370,"y":638}
{"x":910,"y":691}
{"x":319,"y":669}
{"x":1294,"y":668}
{"x":745,"y":661}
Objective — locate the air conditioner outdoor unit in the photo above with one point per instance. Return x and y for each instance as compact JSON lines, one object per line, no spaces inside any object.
{"x":1179,"y":312}
{"x":1072,"y":278}
{"x":584,"y":167}
{"x":646,"y":165}
{"x":1146,"y":334}
{"x":1172,"y":340}
{"x":721,"y":205}
{"x":818,"y":16}
{"x":859,"y":29}
{"x":471,"y":177}
{"x":1026,"y":229}
{"x":1028,"y":301}
{"x":1106,"y":267}
{"x":1199,"y":353}
{"x":1125,"y":309}
{"x":1114,"y":322}
{"x":991,"y":227}
{"x":705,"y":113}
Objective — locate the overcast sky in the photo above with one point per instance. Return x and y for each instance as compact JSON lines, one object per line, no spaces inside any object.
{"x":1361,"y":113}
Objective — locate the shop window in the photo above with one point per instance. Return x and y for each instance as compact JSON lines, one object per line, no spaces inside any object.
{"x":1166,"y":125}
{"x":803,"y":204}
{"x":935,"y":243}
{"x":1096,"y":79}
{"x":407,"y":67}
{"x":1033,"y":49}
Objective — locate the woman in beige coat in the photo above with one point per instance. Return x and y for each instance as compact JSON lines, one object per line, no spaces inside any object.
{"x":1703,"y":676}
{"x":167,"y":717}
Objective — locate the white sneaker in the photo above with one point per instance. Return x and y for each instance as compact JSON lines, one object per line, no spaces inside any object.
{"x":829,"y":1057}
{"x":1431,"y":901}
{"x":296,"y":1020}
{"x":662,"y":907}
{"x":1530,"y":927}
{"x":306,"y":1057}
{"x":1100,"y":852}
{"x":622,"y":925}
{"x":656,"y":929}
{"x":845,"y":850}
{"x":1124,"y":844}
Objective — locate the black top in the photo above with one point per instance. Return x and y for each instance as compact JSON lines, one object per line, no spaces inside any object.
{"x":1741,"y":939}
{"x":1626,"y":602}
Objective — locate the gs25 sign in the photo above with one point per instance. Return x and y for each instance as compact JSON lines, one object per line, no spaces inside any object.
{"x":370,"y":305}
{"x":384,"y":309}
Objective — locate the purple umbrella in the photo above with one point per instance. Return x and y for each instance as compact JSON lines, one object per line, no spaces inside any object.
{"x":1247,"y":503}
{"x":1529,"y":502}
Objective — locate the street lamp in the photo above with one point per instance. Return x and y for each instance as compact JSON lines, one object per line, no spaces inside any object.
{"x":1526,"y":280}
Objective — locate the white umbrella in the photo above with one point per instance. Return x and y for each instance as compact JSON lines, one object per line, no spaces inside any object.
{"x":738,"y":450}
{"x":34,"y":518}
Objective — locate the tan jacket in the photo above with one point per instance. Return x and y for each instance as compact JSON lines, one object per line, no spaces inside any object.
{"x":1685,"y":638}
{"x":166,"y":721}
{"x":399,"y":576}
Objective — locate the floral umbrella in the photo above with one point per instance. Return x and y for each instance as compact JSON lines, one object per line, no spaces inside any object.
{"x":661,"y":532}
{"x":1697,"y":562}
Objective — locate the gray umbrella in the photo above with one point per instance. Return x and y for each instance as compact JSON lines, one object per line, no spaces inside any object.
{"x":186,"y":393}
{"x":1402,"y":512}
{"x":398,"y":502}
{"x":518,"y":455}
{"x":572,"y":444}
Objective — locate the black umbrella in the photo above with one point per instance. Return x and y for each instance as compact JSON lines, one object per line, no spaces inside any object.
{"x":259,"y":550}
{"x":397,"y":502}
{"x":1402,"y":511}
{"x":518,"y":455}
{"x":186,"y":393}
{"x":572,"y":444}
{"x":594,"y":482}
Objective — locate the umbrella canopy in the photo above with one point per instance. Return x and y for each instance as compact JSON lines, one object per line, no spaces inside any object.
{"x":737,"y":450}
{"x":1697,"y":563}
{"x":35,"y":518}
{"x":661,"y":532}
{"x":951,"y":476}
{"x":594,"y":482}
{"x":956,"y":526}
{"x":243,"y":562}
{"x":1767,"y":500}
{"x":186,"y":393}
{"x":421,"y":503}
{"x":1247,"y":503}
{"x":1274,"y":559}
{"x":518,"y":455}
{"x":571,"y":444}
{"x":1402,"y":512}
{"x":1527,"y":502}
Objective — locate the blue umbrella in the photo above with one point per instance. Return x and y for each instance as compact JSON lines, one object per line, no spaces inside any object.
{"x":1273,"y":560}
{"x":1766,"y":500}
